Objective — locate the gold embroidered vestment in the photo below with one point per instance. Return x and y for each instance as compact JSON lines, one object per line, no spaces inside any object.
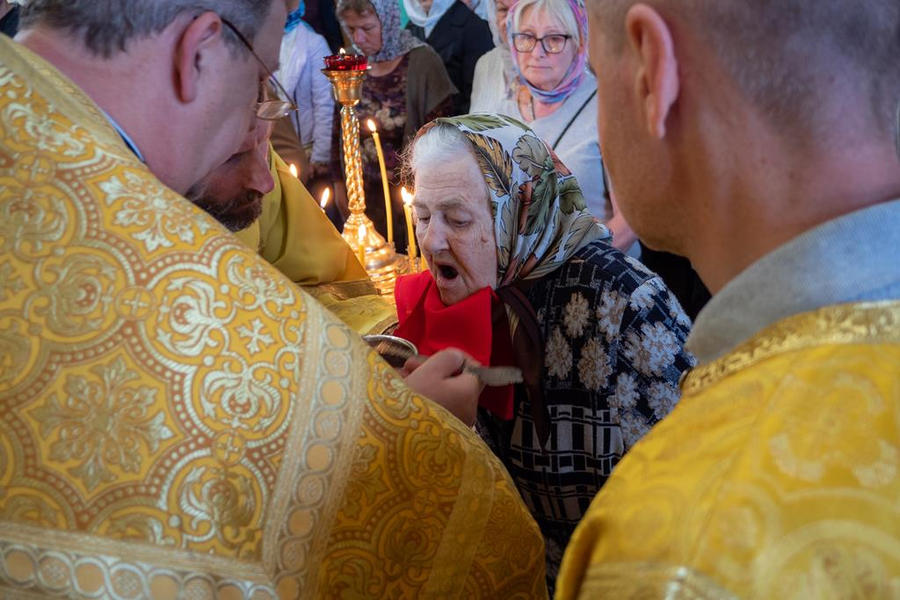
{"x":777,"y":476}
{"x":178,"y":420}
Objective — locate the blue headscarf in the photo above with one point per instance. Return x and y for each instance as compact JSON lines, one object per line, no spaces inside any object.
{"x":295,"y":18}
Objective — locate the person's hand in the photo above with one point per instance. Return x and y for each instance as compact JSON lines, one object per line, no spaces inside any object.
{"x":440,"y":378}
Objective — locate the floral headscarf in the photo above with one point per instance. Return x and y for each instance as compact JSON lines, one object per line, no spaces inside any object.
{"x":577,"y":69}
{"x":395,"y":41}
{"x":295,"y":18}
{"x":540,"y":216}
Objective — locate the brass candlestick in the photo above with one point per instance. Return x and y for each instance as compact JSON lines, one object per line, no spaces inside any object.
{"x":381,"y":262}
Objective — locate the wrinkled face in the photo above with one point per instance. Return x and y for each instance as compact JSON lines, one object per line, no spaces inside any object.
{"x":503,"y":7}
{"x":455,"y":227}
{"x":233,"y":193}
{"x":231,"y":114}
{"x":364,"y":29}
{"x":544,"y":71}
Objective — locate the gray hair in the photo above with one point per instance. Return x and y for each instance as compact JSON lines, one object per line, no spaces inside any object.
{"x":783,"y":53}
{"x":434,"y":147}
{"x":108,"y":25}
{"x":558,"y":11}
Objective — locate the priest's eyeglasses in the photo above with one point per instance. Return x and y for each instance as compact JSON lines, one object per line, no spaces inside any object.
{"x":552,"y":44}
{"x":267,"y":110}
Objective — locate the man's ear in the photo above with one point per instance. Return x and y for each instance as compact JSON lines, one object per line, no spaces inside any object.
{"x":200,"y":36}
{"x":656,"y":78}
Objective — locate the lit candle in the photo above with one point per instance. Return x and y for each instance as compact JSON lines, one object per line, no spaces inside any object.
{"x":410,"y":231}
{"x":293,"y":169}
{"x":384,"y":181}
{"x":361,"y":250}
{"x":325,"y":196}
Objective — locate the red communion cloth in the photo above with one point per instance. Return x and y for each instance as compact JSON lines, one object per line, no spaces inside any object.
{"x":476,"y":325}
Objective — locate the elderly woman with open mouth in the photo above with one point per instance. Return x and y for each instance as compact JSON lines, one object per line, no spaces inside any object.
{"x":519,"y":273}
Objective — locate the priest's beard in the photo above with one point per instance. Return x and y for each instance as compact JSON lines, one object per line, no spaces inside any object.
{"x":235,"y":213}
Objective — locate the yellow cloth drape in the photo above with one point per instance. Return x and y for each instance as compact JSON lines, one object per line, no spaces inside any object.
{"x":295,"y":236}
{"x":179,"y":420}
{"x":777,"y":476}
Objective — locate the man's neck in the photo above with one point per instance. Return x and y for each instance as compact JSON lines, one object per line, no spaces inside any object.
{"x":781,"y":193}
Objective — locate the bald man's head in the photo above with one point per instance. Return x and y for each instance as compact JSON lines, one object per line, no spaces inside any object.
{"x":784,"y":54}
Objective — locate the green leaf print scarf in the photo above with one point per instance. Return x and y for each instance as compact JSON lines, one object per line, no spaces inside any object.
{"x":540,"y":216}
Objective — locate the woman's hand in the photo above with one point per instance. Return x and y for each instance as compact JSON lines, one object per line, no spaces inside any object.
{"x":440,"y":378}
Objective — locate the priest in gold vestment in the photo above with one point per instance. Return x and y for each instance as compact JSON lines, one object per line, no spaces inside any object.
{"x":758,"y":139}
{"x":179,"y":420}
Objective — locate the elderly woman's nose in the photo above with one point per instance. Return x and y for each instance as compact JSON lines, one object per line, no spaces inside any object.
{"x":432,"y":237}
{"x":359,"y":36}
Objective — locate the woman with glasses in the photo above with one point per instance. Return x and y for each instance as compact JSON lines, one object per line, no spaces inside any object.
{"x":557,"y":96}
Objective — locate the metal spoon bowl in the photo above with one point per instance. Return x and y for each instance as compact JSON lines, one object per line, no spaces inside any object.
{"x":396,"y":351}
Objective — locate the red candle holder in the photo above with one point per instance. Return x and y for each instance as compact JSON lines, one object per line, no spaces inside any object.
{"x":346,"y":62}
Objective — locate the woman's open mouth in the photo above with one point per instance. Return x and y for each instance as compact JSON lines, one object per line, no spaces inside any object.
{"x":447,"y":272}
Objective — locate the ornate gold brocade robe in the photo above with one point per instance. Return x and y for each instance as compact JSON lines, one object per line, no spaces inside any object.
{"x":775,"y":477}
{"x":178,"y":420}
{"x":295,"y":236}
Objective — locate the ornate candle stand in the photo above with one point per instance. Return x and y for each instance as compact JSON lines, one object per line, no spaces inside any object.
{"x":346,"y":73}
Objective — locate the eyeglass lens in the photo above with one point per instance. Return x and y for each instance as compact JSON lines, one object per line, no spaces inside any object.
{"x":552,"y":44}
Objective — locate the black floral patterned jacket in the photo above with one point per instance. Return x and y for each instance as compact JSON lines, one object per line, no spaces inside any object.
{"x":614,"y":352}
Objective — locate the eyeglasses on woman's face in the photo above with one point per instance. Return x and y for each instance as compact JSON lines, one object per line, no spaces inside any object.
{"x":552,"y":44}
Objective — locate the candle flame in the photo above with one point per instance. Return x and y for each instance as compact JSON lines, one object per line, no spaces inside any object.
{"x":407,"y":197}
{"x":342,"y":51}
{"x":293,"y":169}
{"x":371,"y":125}
{"x":326,"y":195}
